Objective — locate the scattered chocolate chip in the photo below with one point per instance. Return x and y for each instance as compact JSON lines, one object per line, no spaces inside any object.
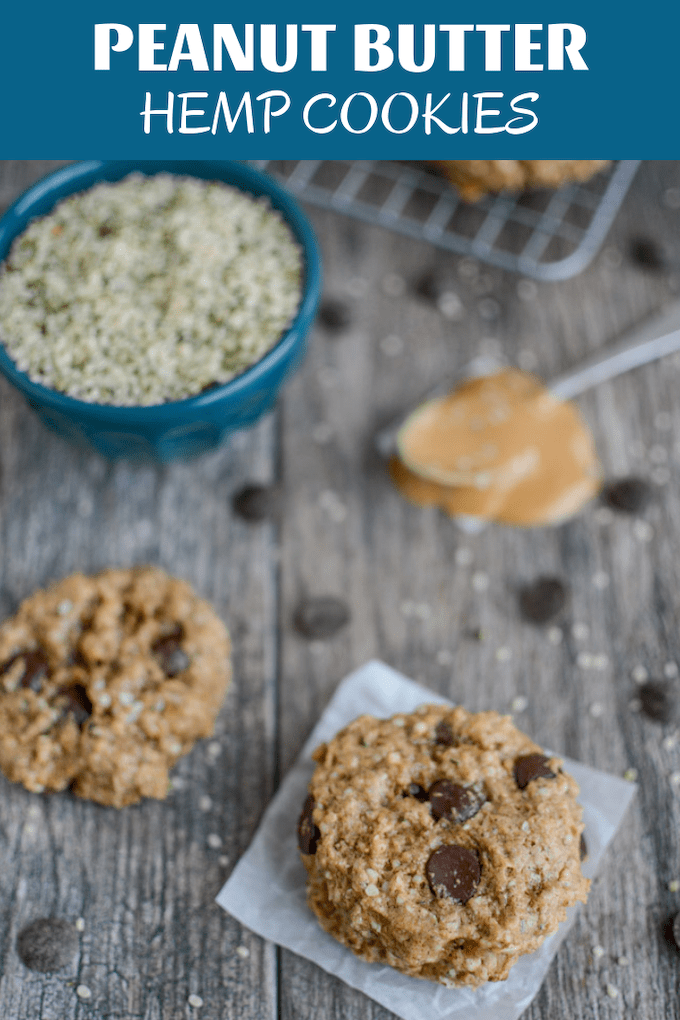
{"x":657,"y":701}
{"x":428,"y":286}
{"x":417,"y":791}
{"x":648,"y":254}
{"x":77,"y":703}
{"x":321,"y":617}
{"x":532,"y":766}
{"x":443,"y":734}
{"x":628,"y":495}
{"x":47,"y":944}
{"x":172,"y":658}
{"x":334,"y":315}
{"x":582,"y":847}
{"x":453,"y":871}
{"x":104,"y":230}
{"x":256,"y":503}
{"x":209,"y":386}
{"x":542,"y":600}
{"x":453,"y":802}
{"x":308,"y":833}
{"x":669,"y":931}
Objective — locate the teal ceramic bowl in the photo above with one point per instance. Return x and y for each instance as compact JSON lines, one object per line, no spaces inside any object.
{"x":182,"y":428}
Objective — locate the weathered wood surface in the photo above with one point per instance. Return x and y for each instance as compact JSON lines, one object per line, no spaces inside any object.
{"x":143,"y":879}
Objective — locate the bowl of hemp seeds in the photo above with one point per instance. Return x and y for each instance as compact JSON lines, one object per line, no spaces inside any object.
{"x":148,"y":309}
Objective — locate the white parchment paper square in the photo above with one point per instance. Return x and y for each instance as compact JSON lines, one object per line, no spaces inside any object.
{"x":266,"y":890}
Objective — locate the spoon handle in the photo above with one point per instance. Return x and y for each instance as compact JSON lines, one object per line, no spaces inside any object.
{"x":634,"y":350}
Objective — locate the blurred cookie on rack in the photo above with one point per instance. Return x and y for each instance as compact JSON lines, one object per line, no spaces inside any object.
{"x":475,"y":178}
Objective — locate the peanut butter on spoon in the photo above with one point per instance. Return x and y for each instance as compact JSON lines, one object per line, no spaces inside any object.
{"x":501,"y":447}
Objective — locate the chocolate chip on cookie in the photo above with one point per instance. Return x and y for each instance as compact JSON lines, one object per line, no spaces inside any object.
{"x":75,"y":657}
{"x":627,"y":495}
{"x":417,"y":791}
{"x":443,"y":734}
{"x":454,"y":871}
{"x":47,"y":944}
{"x":582,"y":847}
{"x":35,"y":668}
{"x":530,"y":767}
{"x":381,"y":881}
{"x":542,"y":600}
{"x":452,"y":802}
{"x":308,"y":832}
{"x":114,"y":699}
{"x":172,"y":658}
{"x":321,"y":618}
{"x":75,"y":702}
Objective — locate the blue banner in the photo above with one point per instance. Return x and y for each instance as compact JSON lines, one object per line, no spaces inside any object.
{"x":369,"y":79}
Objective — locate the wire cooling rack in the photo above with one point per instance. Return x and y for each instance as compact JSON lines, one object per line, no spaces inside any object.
{"x":547,"y":235}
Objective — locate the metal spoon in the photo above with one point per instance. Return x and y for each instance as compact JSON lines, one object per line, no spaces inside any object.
{"x":653,"y":339}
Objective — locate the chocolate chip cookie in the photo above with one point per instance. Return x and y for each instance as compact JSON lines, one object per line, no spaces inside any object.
{"x":477,"y":177}
{"x":106,"y":681}
{"x":443,"y":843}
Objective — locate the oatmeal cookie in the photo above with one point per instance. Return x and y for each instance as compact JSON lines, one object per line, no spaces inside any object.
{"x":477,"y":177}
{"x":106,"y":681}
{"x":443,"y":843}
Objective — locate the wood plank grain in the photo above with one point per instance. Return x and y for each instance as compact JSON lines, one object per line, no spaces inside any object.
{"x":144,"y":879}
{"x":417,"y":606}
